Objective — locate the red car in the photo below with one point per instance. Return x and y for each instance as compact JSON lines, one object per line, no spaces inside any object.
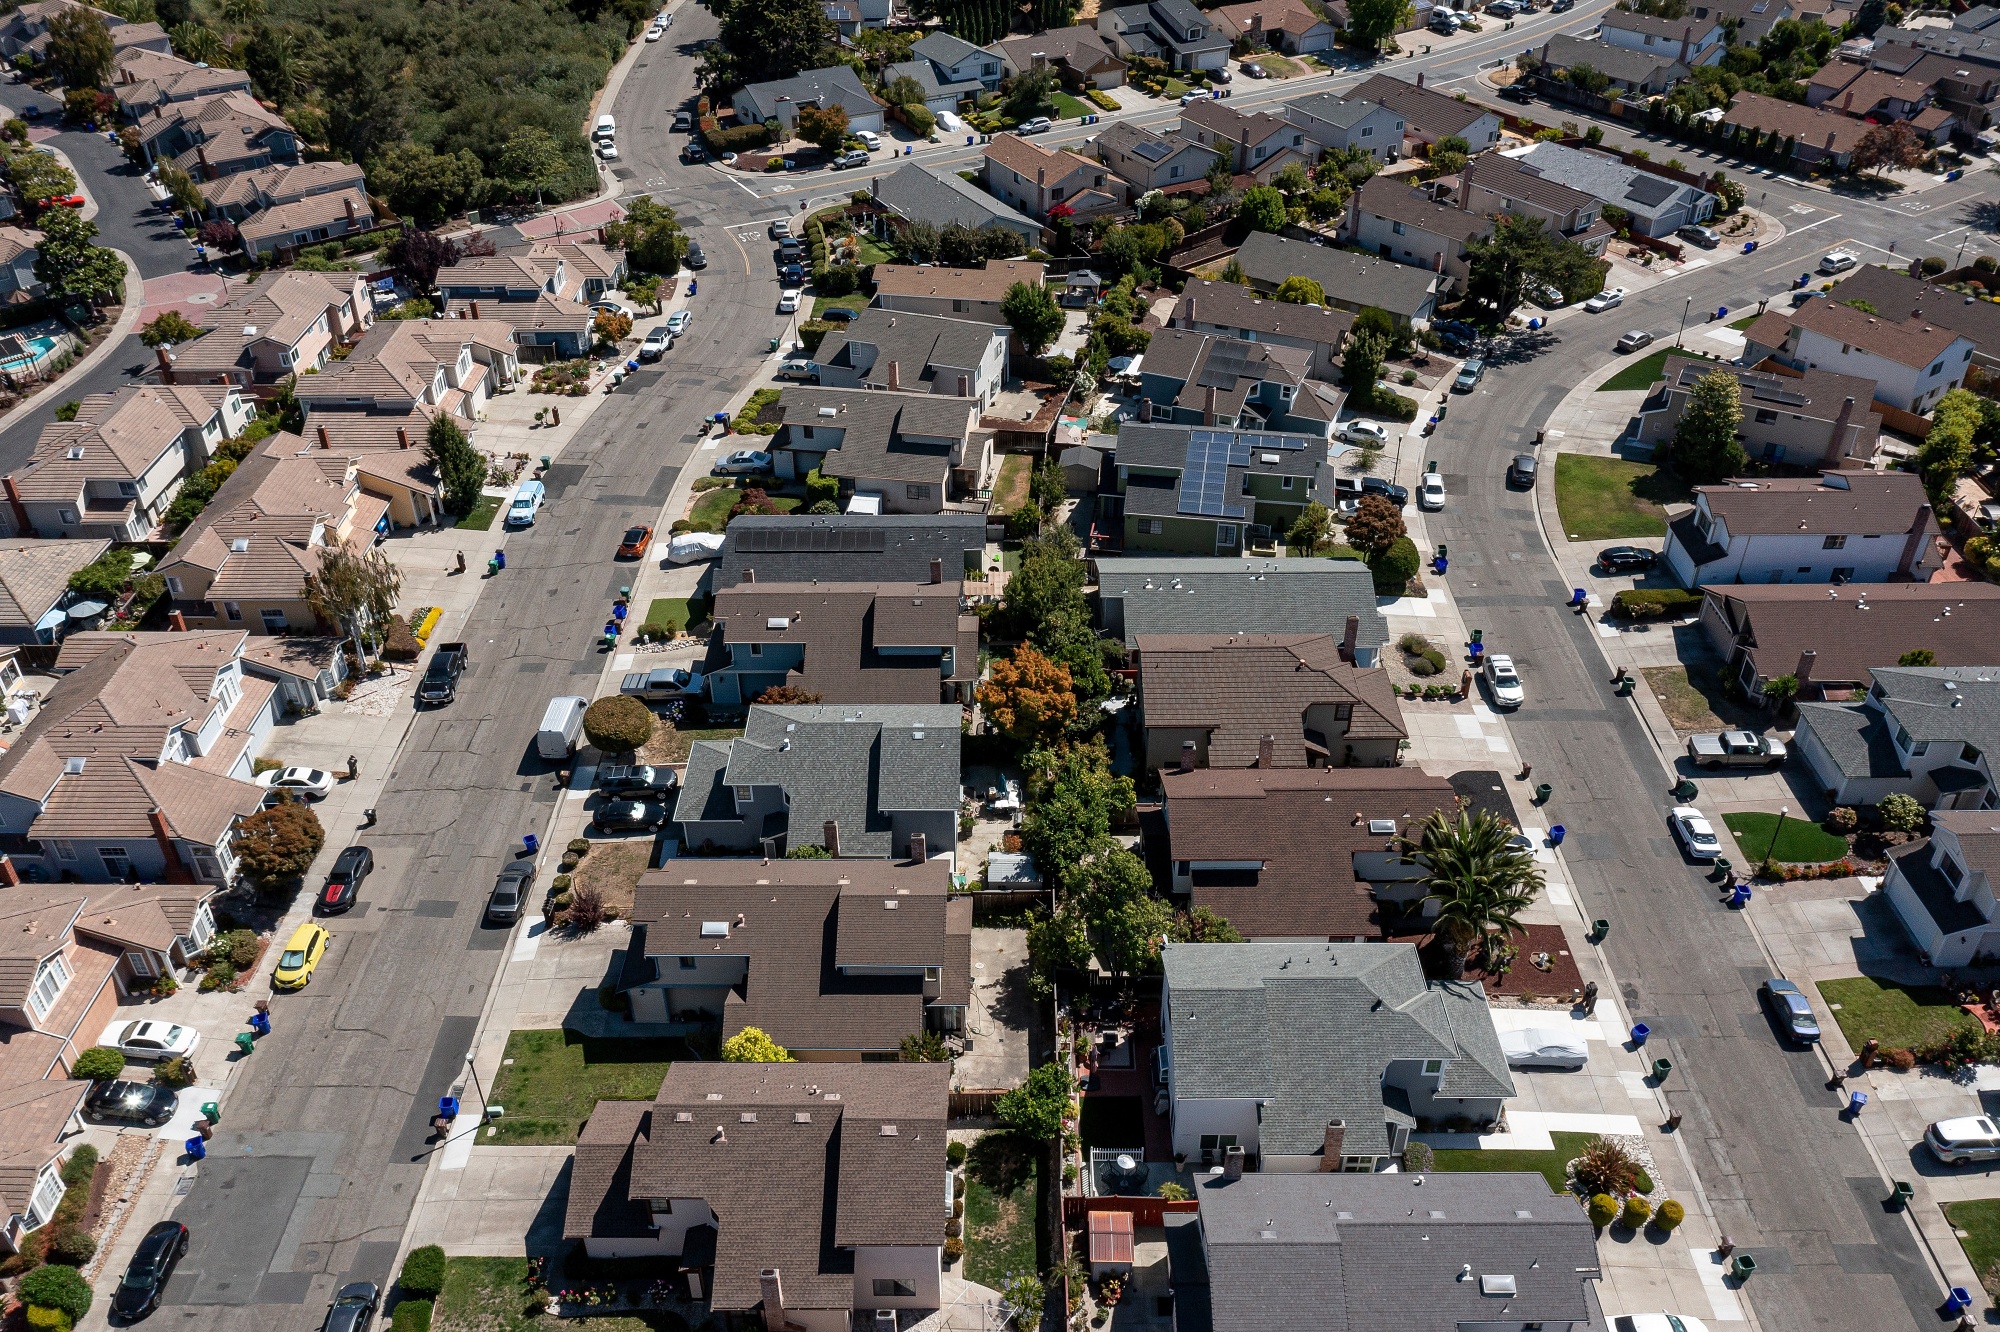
{"x":637,"y":541}
{"x":63,"y":201}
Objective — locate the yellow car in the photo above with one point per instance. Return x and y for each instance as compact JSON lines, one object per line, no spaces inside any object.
{"x":302,"y":953}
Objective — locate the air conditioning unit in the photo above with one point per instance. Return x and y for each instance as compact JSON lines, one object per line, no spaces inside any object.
{"x":885,"y":1320}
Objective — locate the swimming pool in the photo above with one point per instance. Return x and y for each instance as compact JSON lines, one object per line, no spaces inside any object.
{"x":38,"y":350}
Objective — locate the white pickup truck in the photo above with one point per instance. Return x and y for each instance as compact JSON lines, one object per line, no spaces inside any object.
{"x":1736,"y":749}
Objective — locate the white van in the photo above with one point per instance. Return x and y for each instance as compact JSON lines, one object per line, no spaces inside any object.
{"x":606,"y":129}
{"x":527,"y":503}
{"x":562,"y":727}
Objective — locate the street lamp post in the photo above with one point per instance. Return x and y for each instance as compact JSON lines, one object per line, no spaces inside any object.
{"x":472,"y":1069}
{"x":1684,"y":322}
{"x":1771,"y":851}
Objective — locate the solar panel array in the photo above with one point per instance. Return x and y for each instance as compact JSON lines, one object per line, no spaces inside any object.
{"x":808,"y":539}
{"x":1210,"y":455}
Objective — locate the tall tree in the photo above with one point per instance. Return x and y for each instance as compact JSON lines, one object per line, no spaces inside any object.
{"x":1372,"y":22}
{"x":1481,"y":882}
{"x":1030,"y":309}
{"x":1375,"y":526}
{"x":1263,"y":209}
{"x":418,"y":255}
{"x":1361,"y":362}
{"x":1301,"y":291}
{"x":366,"y":94}
{"x":651,"y":236}
{"x":768,"y":39}
{"x":1706,"y":449}
{"x":532,"y":160}
{"x":1947,"y":450}
{"x":279,"y":63}
{"x":196,"y":42}
{"x":1891,"y":145}
{"x":69,"y":265}
{"x":170,"y":329}
{"x":1028,"y":697}
{"x":357,"y":592}
{"x":423,"y":184}
{"x":461,"y":471}
{"x":80,"y":48}
{"x":1520,"y":255}
{"x":825,"y":127}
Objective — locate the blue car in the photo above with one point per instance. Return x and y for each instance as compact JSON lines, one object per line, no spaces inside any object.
{"x":1789,"y":1005}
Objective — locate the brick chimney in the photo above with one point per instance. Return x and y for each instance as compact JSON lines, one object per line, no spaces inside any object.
{"x":402,"y":437}
{"x":201,"y":157}
{"x":177,"y":622}
{"x":1350,"y":639}
{"x":1232,"y":1163}
{"x":1804,"y":671}
{"x":771,"y":1286}
{"x":21,"y":522}
{"x":166,"y":360}
{"x":920,"y":847}
{"x":1208,"y":404}
{"x":9,"y":876}
{"x":324,"y":442}
{"x":1336,"y":1136}
{"x":830,"y":837}
{"x":1145,"y":410}
{"x":475,"y":309}
{"x":1267,"y":751}
{"x":937,"y":571}
{"x":349,"y":203}
{"x":1257,"y":23}
{"x":1187,"y":756}
{"x":176,"y":872}
{"x":895,"y":376}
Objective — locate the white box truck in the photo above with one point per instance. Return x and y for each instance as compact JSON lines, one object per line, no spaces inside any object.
{"x":562,"y":727}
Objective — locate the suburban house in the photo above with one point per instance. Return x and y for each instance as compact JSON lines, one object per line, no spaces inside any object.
{"x":542,"y":290}
{"x":216,"y":136}
{"x":1081,"y":56}
{"x":1912,"y":361}
{"x":112,"y":471}
{"x":809,"y":1196}
{"x":1691,"y":42}
{"x":915,"y":353}
{"x":1812,"y":418}
{"x":1899,"y":297}
{"x":1656,"y":205}
{"x":1800,"y":529}
{"x":1290,"y":26}
{"x":1195,"y":378}
{"x":1264,"y":701}
{"x":238,"y":198}
{"x":942,"y":93}
{"x":35,"y":596}
{"x":1264,"y":1251}
{"x":910,"y":451}
{"x":861,"y":781}
{"x":851,"y":548}
{"x":144,"y":80}
{"x":280,"y":231}
{"x":957,"y":60}
{"x":1492,"y":184}
{"x":1880,"y":95}
{"x":1387,"y":217}
{"x":1831,"y":637}
{"x":42,"y":1122}
{"x":1195,"y":489}
{"x":403,"y":374}
{"x":942,"y":198}
{"x":1942,"y":888}
{"x":1322,"y":1057}
{"x":1146,"y":161}
{"x":1258,"y":145}
{"x":1817,"y":135}
{"x":18,"y":283}
{"x":27,"y":29}
{"x":1299,"y":853}
{"x":1333,"y":122}
{"x":1141,"y":595}
{"x":1034,"y":179}
{"x":848,"y":642}
{"x":1920,"y":731}
{"x":1754,"y":19}
{"x":1230,"y":310}
{"x":836,"y":961}
{"x":1633,"y":73}
{"x":137,"y":765}
{"x":1429,"y":115}
{"x":1170,"y":30}
{"x":1352,"y":282}
{"x":836,"y":85}
{"x":1961,"y":65}
{"x":958,"y":293}
{"x":275,"y":326}
{"x":392,"y":469}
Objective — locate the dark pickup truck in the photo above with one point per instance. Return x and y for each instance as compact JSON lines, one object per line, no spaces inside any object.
{"x":440,"y":682}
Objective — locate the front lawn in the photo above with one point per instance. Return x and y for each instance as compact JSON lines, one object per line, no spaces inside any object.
{"x":481,"y":517}
{"x":680,"y":612}
{"x":1552,"y":1165}
{"x":1641,"y":374}
{"x":854,"y":300}
{"x":1069,"y":108}
{"x":673,"y":744}
{"x":490,"y":1295}
{"x":1740,"y":324}
{"x":613,"y":869}
{"x":1277,"y":66}
{"x":1980,"y":1222}
{"x":1609,"y":498}
{"x":1173,"y":90}
{"x":1900,"y":1017}
{"x":1010,"y":488}
{"x":1692,"y":698}
{"x":1800,"y":842}
{"x":1000,"y":1209}
{"x":711,"y":507}
{"x":552,"y":1079}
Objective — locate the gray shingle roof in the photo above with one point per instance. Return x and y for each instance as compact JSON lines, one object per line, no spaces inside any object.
{"x":1339,"y":111}
{"x":836,"y":85}
{"x":1310,"y":1028}
{"x":849,"y":548}
{"x":879,"y":436}
{"x":1347,"y":276}
{"x":1602,"y":175}
{"x":1855,"y":737}
{"x":941,"y":198}
{"x":925,"y":72}
{"x":918,"y":344}
{"x":1563,"y":51}
{"x":1423,"y":109}
{"x":1185,"y":595}
{"x":946,"y":49}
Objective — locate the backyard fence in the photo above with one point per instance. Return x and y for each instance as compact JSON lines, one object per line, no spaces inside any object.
{"x":1145,"y":1211}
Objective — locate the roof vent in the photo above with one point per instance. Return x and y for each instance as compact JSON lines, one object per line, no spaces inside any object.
{"x":73,"y":766}
{"x":1380,"y":826}
{"x":886,"y":1131}
{"x":75,"y":453}
{"x":1267,"y":1234}
{"x":249,"y":330}
{"x":1496,"y":1285}
{"x":714,"y":1096}
{"x":715,"y":929}
{"x":888,"y":904}
{"x":240,"y":545}
{"x":1523,"y":1214}
{"x":828,"y":411}
{"x":683,"y":1116}
{"x":777,"y":622}
{"x":802,"y":1117}
{"x":747,"y":1117}
{"x":833,"y":1096}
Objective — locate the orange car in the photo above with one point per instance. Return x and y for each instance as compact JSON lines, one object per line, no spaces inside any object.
{"x":636,"y":543}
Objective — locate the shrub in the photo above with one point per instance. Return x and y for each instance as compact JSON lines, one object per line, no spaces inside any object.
{"x":820,"y":487}
{"x":98,"y":1063}
{"x":399,"y":644}
{"x":618,"y":725}
{"x":1603,"y":1210}
{"x":243,"y":951}
{"x":412,"y":1316}
{"x":175,"y":1072}
{"x":1395,"y":567}
{"x":1669,"y":1216}
{"x":219,"y":976}
{"x":560,"y":884}
{"x":1842,"y":820}
{"x":1636,"y":1212}
{"x":1656,"y":604}
{"x":586,"y":910}
{"x":1172,"y":1192}
{"x":1900,"y":1060}
{"x":578,"y":847}
{"x":1933,"y":266}
{"x":72,"y":1247}
{"x":423,"y":1273}
{"x":739,"y":139}
{"x":59,"y":1288}
{"x":278,"y":844}
{"x":1024,"y":522}
{"x":954,"y":1153}
{"x":39,"y":1317}
{"x":954,"y":1227}
{"x":954,"y":1249}
{"x":1606,"y":1167}
{"x":1417,"y":1157}
{"x":1986,"y":263}
{"x":1900,"y":813}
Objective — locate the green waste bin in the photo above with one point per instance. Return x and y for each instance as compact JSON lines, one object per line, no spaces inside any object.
{"x":1724,"y":867}
{"x":1742,"y":1266}
{"x":1543,"y":791}
{"x":1598,"y":929}
{"x":246,"y":1042}
{"x":1662,"y":1067}
{"x":1904,"y":1191}
{"x":212,"y":1112}
{"x":1685,"y":789}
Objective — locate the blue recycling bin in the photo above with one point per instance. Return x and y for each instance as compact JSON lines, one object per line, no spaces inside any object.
{"x":1438,"y":566}
{"x":694,"y":285}
{"x":261,"y":1023}
{"x":531,"y":842}
{"x":1740,"y":895}
{"x":448,"y":1106}
{"x":1959,"y":1300}
{"x":1855,"y":1101}
{"x":1556,"y":835}
{"x":196,"y":1148}
{"x":1578,"y":596}
{"x":500,"y":558}
{"x":1640,"y":1032}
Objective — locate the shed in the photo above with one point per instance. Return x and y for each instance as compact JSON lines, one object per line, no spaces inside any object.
{"x":1007,"y":869}
{"x":1110,"y":1244}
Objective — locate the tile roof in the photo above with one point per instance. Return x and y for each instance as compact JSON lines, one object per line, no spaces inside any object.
{"x":1241,"y":309}
{"x":115,"y":435}
{"x":1857,"y":628}
{"x":1852,"y":503}
{"x":315,"y":210}
{"x":34,"y":575}
{"x":842,"y":629}
{"x":35,"y":921}
{"x":1898,"y":296}
{"x":1182,"y":595}
{"x":1240,"y":688}
{"x":1913,"y":342}
{"x":1299,"y":825}
{"x":281,"y":306}
{"x":1347,"y":276}
{"x":281,"y":183}
{"x":798,"y":924}
{"x":988,"y":283}
{"x":1433,"y":113}
{"x":1814,"y":127}
{"x":798,"y":1162}
{"x":1309,"y":1029}
{"x":849,"y":548}
{"x":33,"y":1118}
{"x":398,"y":360}
{"x":882,"y":436}
{"x":141,"y":915}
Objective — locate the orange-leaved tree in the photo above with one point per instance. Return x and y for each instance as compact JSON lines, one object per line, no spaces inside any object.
{"x":1029,"y":697}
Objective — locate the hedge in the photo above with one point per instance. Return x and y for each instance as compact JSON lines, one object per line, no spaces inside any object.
{"x":411,"y":1316}
{"x":1656,"y":604}
{"x":740,"y":139}
{"x":56,"y":1287}
{"x":1395,"y":567}
{"x":423,"y":1273}
{"x":97,"y":1063}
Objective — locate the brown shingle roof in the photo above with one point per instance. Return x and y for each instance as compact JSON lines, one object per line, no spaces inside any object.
{"x":1240,"y":308}
{"x":967,"y":284}
{"x":1911,"y":342}
{"x":1017,"y":154}
{"x":1241,"y":688}
{"x":1299,"y":824}
{"x":1896,"y":295}
{"x":1809,"y":125}
{"x":1784,"y":620}
{"x":33,"y":1116}
{"x":1390,"y":197}
{"x":843,"y":627}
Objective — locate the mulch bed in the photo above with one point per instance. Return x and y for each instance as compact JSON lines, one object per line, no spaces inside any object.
{"x":1524,"y":979}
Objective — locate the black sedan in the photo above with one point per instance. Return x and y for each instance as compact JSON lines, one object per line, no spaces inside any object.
{"x":1626,"y":559}
{"x":146,"y":1275}
{"x":639,"y":780}
{"x":353,"y":1307}
{"x":629,"y":816}
{"x":343,"y":884}
{"x":145,"y":1103}
{"x":1375,"y":485}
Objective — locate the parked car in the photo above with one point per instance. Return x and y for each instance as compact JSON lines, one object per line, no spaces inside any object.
{"x":1737,"y":749}
{"x":440,"y":683}
{"x":1254,"y":70}
{"x":1430,"y":492}
{"x":689,"y":547}
{"x":305,"y":783}
{"x":1389,"y":490}
{"x":1548,"y":297}
{"x":1635,"y":340}
{"x":1694,"y":832}
{"x":150,"y":1040}
{"x":1365,"y":433}
{"x":1562,"y":7}
{"x":1469,"y":376}
{"x":853,"y":157}
{"x":662,"y":683}
{"x":1544,"y":1047}
{"x":781,"y":228}
{"x":610,"y":307}
{"x":628,"y":816}
{"x":510,"y":891}
{"x":343,"y":882}
{"x":788,"y":301}
{"x":744,"y":462}
{"x":654,"y":35}
{"x":1193,"y":95}
{"x":148,"y":1103}
{"x":1626,"y":559}
{"x":1503,"y":8}
{"x":153,"y":1263}
{"x":683,"y":122}
{"x":1504,"y":681}
{"x":1706,"y":237}
{"x":63,"y":201}
{"x":1518,"y":91}
{"x":1521,"y":471}
{"x":302,"y":954}
{"x":801,"y":370}
{"x":678,"y":321}
{"x":636,"y":780}
{"x":693,"y":152}
{"x":1789,"y":1005}
{"x":1457,"y":336}
{"x":1646,"y":1322}
{"x":838,"y":314}
{"x":353,"y":1307}
{"x":656,"y":344}
{"x":695,"y":258}
{"x":791,"y":251}
{"x":1035,"y":125}
{"x":1964,"y":1141}
{"x":1605,"y":300}
{"x":869,"y":139}
{"x":638,"y":540}
{"x":791,"y":275}
{"x":607,"y":151}
{"x":1837,"y":261}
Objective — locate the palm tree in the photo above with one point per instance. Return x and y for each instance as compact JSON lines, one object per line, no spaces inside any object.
{"x":196,"y":43}
{"x":1480,"y":878}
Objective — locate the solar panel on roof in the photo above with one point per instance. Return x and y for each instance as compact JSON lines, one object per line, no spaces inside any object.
{"x":1650,"y":190}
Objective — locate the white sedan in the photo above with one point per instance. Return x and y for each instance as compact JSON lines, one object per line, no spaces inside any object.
{"x":1505,"y":683}
{"x":654,"y":34}
{"x":1544,"y":1047}
{"x":1695,"y":832}
{"x":305,"y":783}
{"x":744,"y":462}
{"x":1364,"y":433}
{"x":150,"y":1040}
{"x":788,"y":300}
{"x":607,"y":151}
{"x":1430,"y":492}
{"x":1605,"y":300}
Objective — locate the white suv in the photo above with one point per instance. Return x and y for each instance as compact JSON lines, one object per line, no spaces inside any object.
{"x":1837,"y":261}
{"x":1964,"y":1141}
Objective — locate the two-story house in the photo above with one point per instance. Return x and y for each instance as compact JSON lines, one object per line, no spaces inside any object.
{"x":1146,"y":161}
{"x":1841,"y":527}
{"x":43,"y":1124}
{"x":1429,"y":115}
{"x":915,"y":353}
{"x":1492,"y":183}
{"x":35,"y":596}
{"x":536,"y":288}
{"x":403,"y":373}
{"x":1171,"y":30}
{"x":1034,"y":179}
{"x":1927,"y":732}
{"x":1335,"y":123}
{"x":1654,"y":204}
{"x":1081,"y":56}
{"x":1913,"y":362}
{"x":1810,"y":418}
{"x":942,"y":94}
{"x":1644,"y":73}
{"x":843,"y":642}
{"x":1351,"y":280}
{"x":861,"y":781}
{"x":1898,"y":296}
{"x":910,"y":451}
{"x":17,"y":272}
{"x":957,"y":60}
{"x":1234,"y":311}
{"x":1259,"y":145}
{"x":1295,"y":1057}
{"x":212,"y":137}
{"x":113,"y":470}
{"x":1190,"y":378}
{"x":281,"y":231}
{"x":144,"y":80}
{"x":235,"y":198}
{"x":1146,"y":595}
{"x":1690,"y":41}
{"x":836,"y":85}
{"x":972,"y":294}
{"x":271,"y":328}
{"x":851,"y":548}
{"x":1831,"y":637}
{"x":27,"y":29}
{"x":1209,"y":490}
{"x":1942,"y":888}
{"x":1387,"y":217}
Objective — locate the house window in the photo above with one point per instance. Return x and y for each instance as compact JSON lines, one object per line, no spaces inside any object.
{"x":116,"y":862}
{"x":958,"y":307}
{"x":1433,"y":1067}
{"x":1766,"y":417}
{"x":1367,"y":131}
{"x":1843,"y":574}
{"x":67,"y":515}
{"x":1173,"y":173}
{"x":916,"y":492}
{"x":174,"y":588}
{"x":1948,"y":867}
{"x":1151,"y":527}
{"x":890,"y":1287}
{"x":232,"y":610}
{"x":65,"y":849}
{"x":1225,"y":534}
{"x":140,"y":962}
{"x":744,"y":795}
{"x":203,"y":928}
{"x":48,"y":1192}
{"x":48,"y":986}
{"x":1834,"y":543}
{"x":1938,"y":369}
{"x":688,"y":964}
{"x":1396,"y":227}
{"x":1284,"y":483}
{"x":128,"y":489}
{"x":274,"y":621}
{"x":756,"y":649}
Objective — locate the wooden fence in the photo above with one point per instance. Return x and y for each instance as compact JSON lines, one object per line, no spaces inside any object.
{"x":1145,"y":1211}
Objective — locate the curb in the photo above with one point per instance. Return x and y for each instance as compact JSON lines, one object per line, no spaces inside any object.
{"x":135,"y":289}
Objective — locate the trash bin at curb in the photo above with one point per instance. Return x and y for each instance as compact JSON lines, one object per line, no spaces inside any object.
{"x":1640,"y":1032}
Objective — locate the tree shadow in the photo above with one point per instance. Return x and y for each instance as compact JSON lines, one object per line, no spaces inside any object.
{"x":1982,"y":213}
{"x":1002,"y":1162}
{"x":1661,"y":486}
{"x":1518,"y":348}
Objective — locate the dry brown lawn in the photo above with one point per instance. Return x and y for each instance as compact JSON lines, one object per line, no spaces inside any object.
{"x":670,"y":745}
{"x":613,"y":869}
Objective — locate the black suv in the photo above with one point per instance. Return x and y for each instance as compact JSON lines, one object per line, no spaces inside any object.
{"x":1375,"y":485}
{"x":138,"y":1294}
{"x":637,"y":780}
{"x":145,"y":1103}
{"x":629,"y":816}
{"x":343,"y":884}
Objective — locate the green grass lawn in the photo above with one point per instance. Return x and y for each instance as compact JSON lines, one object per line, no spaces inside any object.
{"x":1277,"y":66}
{"x":678,"y":611}
{"x":854,"y":300}
{"x":1069,"y":108}
{"x":999,"y":1210}
{"x":1010,"y":488}
{"x":481,"y":517}
{"x":1980,"y":1220}
{"x":1173,"y":90}
{"x":1641,"y":374}
{"x":1600,"y":498}
{"x":711,"y":507}
{"x":1740,"y":324}
{"x":488,"y":1295}
{"x":1801,"y":841}
{"x":554,"y":1077}
{"x":1550,"y":1165}
{"x":871,"y":252}
{"x":1901,"y":1017}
